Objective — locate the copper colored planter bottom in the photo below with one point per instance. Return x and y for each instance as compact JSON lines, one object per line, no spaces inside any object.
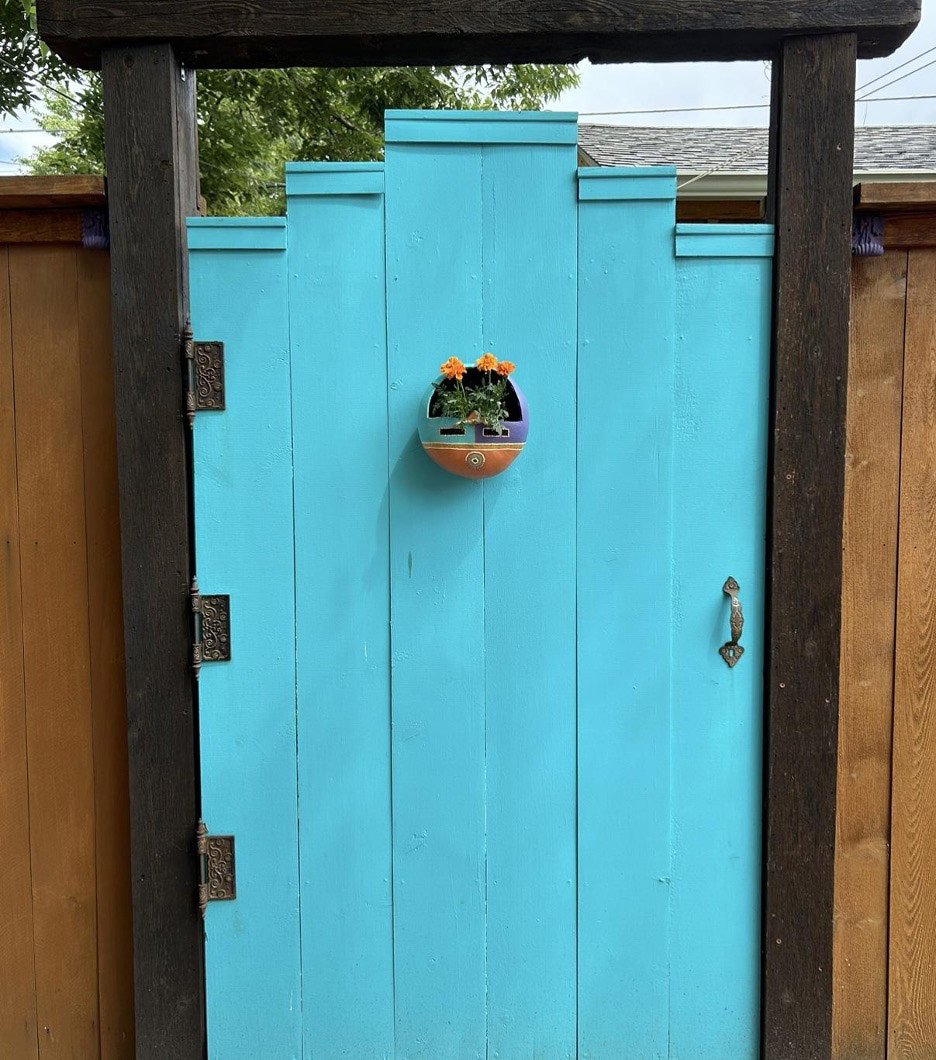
{"x":485,"y":461}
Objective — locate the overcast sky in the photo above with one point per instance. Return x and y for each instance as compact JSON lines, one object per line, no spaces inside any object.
{"x":646,"y":86}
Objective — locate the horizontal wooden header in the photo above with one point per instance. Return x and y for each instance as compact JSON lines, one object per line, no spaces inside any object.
{"x":236,"y":233}
{"x":29,"y":193}
{"x":334,"y":178}
{"x":480,"y":127}
{"x":626,"y":183}
{"x":896,"y":197}
{"x":244,"y":33}
{"x":724,"y":241}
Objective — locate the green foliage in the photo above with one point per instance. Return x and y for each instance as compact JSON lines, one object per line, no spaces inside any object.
{"x":480,"y":398}
{"x":251,"y":121}
{"x":25,"y":63}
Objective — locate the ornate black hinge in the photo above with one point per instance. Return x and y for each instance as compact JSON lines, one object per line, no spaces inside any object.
{"x":212,"y":640}
{"x":217,"y":881}
{"x":204,"y":375}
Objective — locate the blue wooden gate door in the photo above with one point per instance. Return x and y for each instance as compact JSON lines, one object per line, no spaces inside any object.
{"x":494,"y":791}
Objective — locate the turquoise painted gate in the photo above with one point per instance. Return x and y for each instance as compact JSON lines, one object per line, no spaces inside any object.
{"x":494,"y":791}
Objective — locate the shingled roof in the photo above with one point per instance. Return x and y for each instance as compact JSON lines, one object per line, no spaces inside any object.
{"x":878,"y":149}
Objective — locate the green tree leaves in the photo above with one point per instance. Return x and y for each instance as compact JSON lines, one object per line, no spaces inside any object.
{"x":251,"y":121}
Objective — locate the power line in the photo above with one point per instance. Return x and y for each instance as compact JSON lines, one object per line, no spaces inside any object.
{"x":887,"y":84}
{"x":894,"y":69}
{"x":40,"y":84}
{"x":763,"y":106}
{"x":753,"y":148}
{"x":740,"y":106}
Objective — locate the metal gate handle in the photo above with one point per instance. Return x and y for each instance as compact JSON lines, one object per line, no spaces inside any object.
{"x":732,"y":650}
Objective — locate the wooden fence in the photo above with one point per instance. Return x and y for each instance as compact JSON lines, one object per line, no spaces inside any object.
{"x":885,"y":931}
{"x":65,"y":951}
{"x":65,"y":957}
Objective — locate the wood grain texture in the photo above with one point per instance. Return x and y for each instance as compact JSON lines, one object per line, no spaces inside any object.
{"x":105,"y":622}
{"x":812,"y":131}
{"x":39,"y":226}
{"x":247,"y":706}
{"x":624,"y":509}
{"x":722,"y":361}
{"x":50,"y":465}
{"x":528,"y":235}
{"x":53,"y":192}
{"x":719,"y":209}
{"x":17,"y":964}
{"x":905,"y":232}
{"x":912,"y":1006}
{"x":434,"y":257}
{"x":151,"y":163}
{"x":894,"y":196}
{"x":869,"y":597}
{"x":364,"y":32}
{"x":337,"y":302}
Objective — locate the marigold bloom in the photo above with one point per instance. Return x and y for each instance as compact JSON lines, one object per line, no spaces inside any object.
{"x":452,"y":369}
{"x":487,"y":363}
{"x":505,"y":367}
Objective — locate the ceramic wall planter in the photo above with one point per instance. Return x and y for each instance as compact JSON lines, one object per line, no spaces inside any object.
{"x":471,"y":449}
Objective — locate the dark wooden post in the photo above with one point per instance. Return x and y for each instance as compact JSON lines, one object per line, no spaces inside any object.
{"x":812,"y":135}
{"x":149,"y":101}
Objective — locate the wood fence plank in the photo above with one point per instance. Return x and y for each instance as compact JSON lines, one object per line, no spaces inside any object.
{"x":909,"y":231}
{"x":43,"y":284}
{"x":869,"y":596}
{"x":17,"y":967}
{"x":912,"y":1005}
{"x":105,"y":609}
{"x":39,"y":226}
{"x":28,"y":192}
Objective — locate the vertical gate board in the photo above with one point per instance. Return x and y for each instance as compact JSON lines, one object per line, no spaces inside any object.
{"x":339,"y":396}
{"x":720,"y":468}
{"x":625,"y":379}
{"x":244,"y":547}
{"x":869,"y":601}
{"x":912,"y":1003}
{"x":17,"y":967}
{"x":105,"y":615}
{"x":43,"y":285}
{"x":529,"y":221}
{"x":437,"y":612}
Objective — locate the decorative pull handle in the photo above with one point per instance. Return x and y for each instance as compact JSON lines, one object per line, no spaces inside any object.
{"x":732,"y":651}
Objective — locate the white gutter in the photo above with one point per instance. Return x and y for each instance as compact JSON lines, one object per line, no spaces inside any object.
{"x":754,"y":185}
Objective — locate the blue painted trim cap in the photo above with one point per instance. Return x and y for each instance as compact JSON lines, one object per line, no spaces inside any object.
{"x":626,"y":183}
{"x":724,"y":241}
{"x":480,"y":127}
{"x":236,"y":233}
{"x":334,"y":178}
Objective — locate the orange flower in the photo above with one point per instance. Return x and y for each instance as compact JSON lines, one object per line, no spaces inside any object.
{"x":452,"y":369}
{"x":487,"y":363}
{"x":505,"y":367}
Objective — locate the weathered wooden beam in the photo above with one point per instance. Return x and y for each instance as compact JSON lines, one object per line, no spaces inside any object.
{"x":152,"y":167}
{"x":243,"y":33}
{"x":812,"y":133}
